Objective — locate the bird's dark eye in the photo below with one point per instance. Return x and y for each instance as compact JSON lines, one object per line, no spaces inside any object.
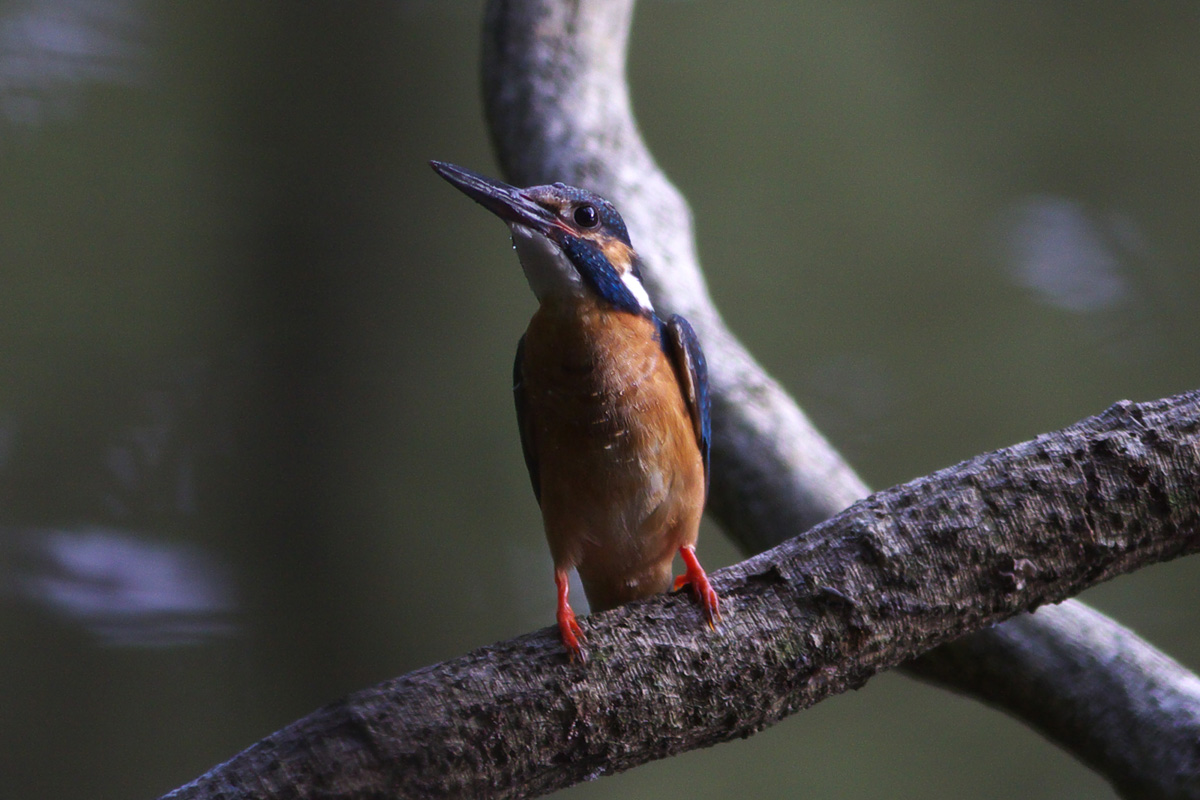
{"x":586,"y":216}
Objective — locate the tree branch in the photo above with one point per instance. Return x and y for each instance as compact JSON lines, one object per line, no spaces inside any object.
{"x":558,"y":109}
{"x":894,"y":575}
{"x":1082,"y":656}
{"x":558,"y":105}
{"x":872,"y":587}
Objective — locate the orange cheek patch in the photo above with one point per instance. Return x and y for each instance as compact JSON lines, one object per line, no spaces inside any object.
{"x":618,"y":254}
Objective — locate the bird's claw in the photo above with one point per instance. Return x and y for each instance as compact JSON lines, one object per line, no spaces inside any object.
{"x":706,"y":596}
{"x":572,"y":634}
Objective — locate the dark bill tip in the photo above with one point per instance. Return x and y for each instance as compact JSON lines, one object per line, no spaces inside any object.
{"x":507,"y":202}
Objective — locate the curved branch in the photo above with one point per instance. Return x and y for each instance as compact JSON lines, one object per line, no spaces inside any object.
{"x":868,"y":589}
{"x":558,"y":106}
{"x":1080,"y":659}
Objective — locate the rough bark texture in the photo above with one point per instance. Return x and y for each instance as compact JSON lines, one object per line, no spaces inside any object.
{"x":558,"y":105}
{"x":880,"y":583}
{"x":895,"y":575}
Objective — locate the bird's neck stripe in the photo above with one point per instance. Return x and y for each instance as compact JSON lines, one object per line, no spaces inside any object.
{"x":623,"y":289}
{"x":635,"y":287}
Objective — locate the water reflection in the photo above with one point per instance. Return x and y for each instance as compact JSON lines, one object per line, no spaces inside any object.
{"x":49,"y":48}
{"x":1068,"y":257}
{"x":125,"y":589}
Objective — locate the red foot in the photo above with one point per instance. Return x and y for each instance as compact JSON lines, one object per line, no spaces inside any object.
{"x":710,"y":604}
{"x":568,"y":626}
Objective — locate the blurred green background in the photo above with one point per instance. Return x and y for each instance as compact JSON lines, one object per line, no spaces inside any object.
{"x":257,"y":447}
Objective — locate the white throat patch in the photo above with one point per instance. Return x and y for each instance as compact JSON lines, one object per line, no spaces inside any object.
{"x":551,"y":274}
{"x":547,"y":270}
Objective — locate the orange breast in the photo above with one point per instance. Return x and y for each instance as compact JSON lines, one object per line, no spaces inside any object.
{"x":622,"y":481}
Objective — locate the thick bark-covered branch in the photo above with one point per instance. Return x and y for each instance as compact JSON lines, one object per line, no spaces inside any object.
{"x":894,"y":575}
{"x":558,"y":105}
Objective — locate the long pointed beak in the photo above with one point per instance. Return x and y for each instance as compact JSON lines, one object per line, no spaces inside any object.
{"x":507,"y":202}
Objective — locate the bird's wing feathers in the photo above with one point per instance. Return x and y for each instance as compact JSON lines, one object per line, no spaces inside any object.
{"x":524,"y":424}
{"x":683,"y":349}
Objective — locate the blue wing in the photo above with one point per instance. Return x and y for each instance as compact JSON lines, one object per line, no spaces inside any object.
{"x":523,"y":420}
{"x":683,"y":349}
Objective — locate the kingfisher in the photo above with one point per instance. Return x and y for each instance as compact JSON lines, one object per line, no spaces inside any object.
{"x":612,"y":403}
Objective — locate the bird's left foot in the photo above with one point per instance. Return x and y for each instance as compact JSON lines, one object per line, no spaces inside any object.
{"x":706,"y":595}
{"x":568,"y":626}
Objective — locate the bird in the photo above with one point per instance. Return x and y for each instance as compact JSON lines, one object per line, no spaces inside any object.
{"x":613,"y":403}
